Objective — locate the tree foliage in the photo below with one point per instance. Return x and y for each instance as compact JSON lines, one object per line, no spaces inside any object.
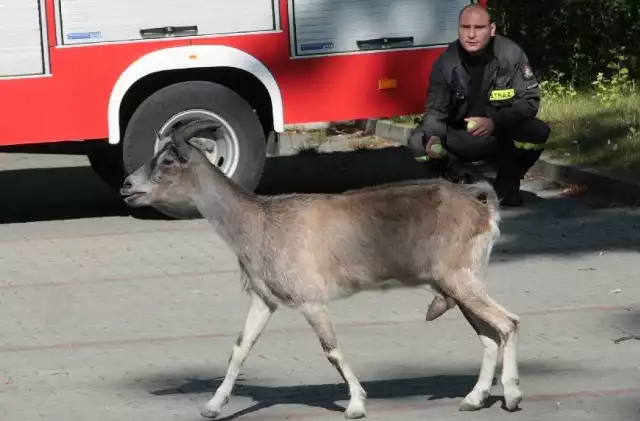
{"x":574,"y":38}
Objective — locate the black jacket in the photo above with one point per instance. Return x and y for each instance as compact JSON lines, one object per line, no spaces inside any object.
{"x":510,"y":87}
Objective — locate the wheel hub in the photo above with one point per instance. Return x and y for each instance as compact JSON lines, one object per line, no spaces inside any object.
{"x":225,"y":154}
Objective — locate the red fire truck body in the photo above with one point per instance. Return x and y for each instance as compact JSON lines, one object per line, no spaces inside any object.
{"x":75,"y":70}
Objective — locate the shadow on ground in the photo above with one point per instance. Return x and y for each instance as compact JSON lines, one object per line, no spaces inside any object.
{"x":45,"y":194}
{"x":546,"y":225}
{"x":334,"y":172}
{"x":60,"y":193}
{"x":454,"y":385}
{"x":627,"y":326}
{"x":325,"y":395}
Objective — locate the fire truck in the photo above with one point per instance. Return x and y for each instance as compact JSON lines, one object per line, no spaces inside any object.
{"x":113,"y":72}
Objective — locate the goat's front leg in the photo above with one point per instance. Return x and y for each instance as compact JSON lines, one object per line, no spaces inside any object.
{"x":259,"y":314}
{"x":318,"y":317}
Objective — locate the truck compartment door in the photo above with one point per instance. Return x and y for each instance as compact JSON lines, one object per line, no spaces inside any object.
{"x":341,"y":26}
{"x":90,"y":21}
{"x":21,"y":38}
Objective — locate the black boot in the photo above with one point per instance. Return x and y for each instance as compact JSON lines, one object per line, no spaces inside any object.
{"x":460,"y":172}
{"x":509,"y":196}
{"x":528,"y":160}
{"x":507,"y":186}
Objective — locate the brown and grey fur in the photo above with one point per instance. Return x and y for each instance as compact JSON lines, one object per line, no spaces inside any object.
{"x":304,"y":250}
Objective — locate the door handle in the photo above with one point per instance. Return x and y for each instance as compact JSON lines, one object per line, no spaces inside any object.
{"x":169,"y":31}
{"x":385,"y":42}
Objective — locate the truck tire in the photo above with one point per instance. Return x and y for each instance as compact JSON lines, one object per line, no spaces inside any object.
{"x":242,"y":150}
{"x":106,"y":161}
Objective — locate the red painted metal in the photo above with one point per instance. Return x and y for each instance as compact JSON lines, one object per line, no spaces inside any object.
{"x":71,"y":103}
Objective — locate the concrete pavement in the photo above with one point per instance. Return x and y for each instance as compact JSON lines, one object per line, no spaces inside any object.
{"x":108,"y":317}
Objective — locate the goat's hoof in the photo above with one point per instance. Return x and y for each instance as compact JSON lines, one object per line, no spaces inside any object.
{"x":472,"y":404}
{"x":210,"y":413}
{"x":466,"y":406}
{"x":213,"y":408}
{"x":512,"y":400}
{"x":355,"y":410}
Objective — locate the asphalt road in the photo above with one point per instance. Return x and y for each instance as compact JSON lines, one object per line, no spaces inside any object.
{"x":105,"y":316}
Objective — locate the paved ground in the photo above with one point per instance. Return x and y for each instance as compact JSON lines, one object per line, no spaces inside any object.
{"x":107,"y":317}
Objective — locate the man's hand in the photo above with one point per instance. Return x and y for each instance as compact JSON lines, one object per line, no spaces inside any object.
{"x":434,"y":147}
{"x":416,"y":143}
{"x":480,"y":126}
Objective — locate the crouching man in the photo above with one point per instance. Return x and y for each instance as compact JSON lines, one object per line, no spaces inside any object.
{"x":482,"y":103}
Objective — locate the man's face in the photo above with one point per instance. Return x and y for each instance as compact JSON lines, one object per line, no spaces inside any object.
{"x":475,"y":30}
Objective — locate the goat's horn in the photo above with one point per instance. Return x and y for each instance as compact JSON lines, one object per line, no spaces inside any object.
{"x":189,"y":130}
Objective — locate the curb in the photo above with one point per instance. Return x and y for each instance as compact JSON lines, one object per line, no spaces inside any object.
{"x":390,"y":131}
{"x":606,"y":184}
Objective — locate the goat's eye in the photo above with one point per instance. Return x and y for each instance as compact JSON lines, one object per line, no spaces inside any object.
{"x":167,"y":161}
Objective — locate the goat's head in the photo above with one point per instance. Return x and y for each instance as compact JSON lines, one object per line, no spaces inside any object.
{"x":163,"y":182}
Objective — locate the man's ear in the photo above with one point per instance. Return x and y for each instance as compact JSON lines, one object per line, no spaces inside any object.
{"x":493,"y":29}
{"x":203,"y":143}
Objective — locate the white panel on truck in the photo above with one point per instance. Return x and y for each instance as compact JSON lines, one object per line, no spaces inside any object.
{"x":339,"y":26}
{"x":90,"y":21}
{"x":21,"y":38}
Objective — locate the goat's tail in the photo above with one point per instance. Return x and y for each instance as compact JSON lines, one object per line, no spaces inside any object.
{"x":484,"y":192}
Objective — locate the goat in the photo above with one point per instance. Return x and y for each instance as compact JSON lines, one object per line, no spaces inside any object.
{"x":302,"y":251}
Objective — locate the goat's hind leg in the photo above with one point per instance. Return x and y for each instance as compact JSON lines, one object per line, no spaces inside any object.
{"x":510,"y":378}
{"x":495,"y":327}
{"x":318,"y":317}
{"x":490,"y":341}
{"x":259,"y":314}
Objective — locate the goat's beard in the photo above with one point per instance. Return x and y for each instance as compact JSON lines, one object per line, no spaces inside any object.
{"x":137,"y":200}
{"x":175,"y":201}
{"x":179,"y":210}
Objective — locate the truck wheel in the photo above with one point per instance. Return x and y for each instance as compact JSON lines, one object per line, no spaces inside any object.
{"x":106,"y":161}
{"x":241,"y":148}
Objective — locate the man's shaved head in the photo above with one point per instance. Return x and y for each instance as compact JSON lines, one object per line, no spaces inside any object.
{"x":475,"y":28}
{"x":475,"y":8}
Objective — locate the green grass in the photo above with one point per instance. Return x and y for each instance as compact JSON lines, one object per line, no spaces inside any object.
{"x":313,"y":142}
{"x":404,"y":120}
{"x":588,"y":132}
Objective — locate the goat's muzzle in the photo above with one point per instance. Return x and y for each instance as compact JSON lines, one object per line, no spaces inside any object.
{"x":131,"y":196}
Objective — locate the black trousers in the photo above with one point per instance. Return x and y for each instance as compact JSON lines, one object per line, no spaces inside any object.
{"x":513,"y":149}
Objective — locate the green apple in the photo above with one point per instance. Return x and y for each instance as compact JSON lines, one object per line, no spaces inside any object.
{"x":436,"y":148}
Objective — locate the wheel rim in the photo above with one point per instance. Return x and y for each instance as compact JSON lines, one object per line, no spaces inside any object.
{"x":225,"y":155}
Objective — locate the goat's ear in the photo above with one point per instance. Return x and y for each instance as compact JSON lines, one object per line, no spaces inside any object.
{"x":203,"y":143}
